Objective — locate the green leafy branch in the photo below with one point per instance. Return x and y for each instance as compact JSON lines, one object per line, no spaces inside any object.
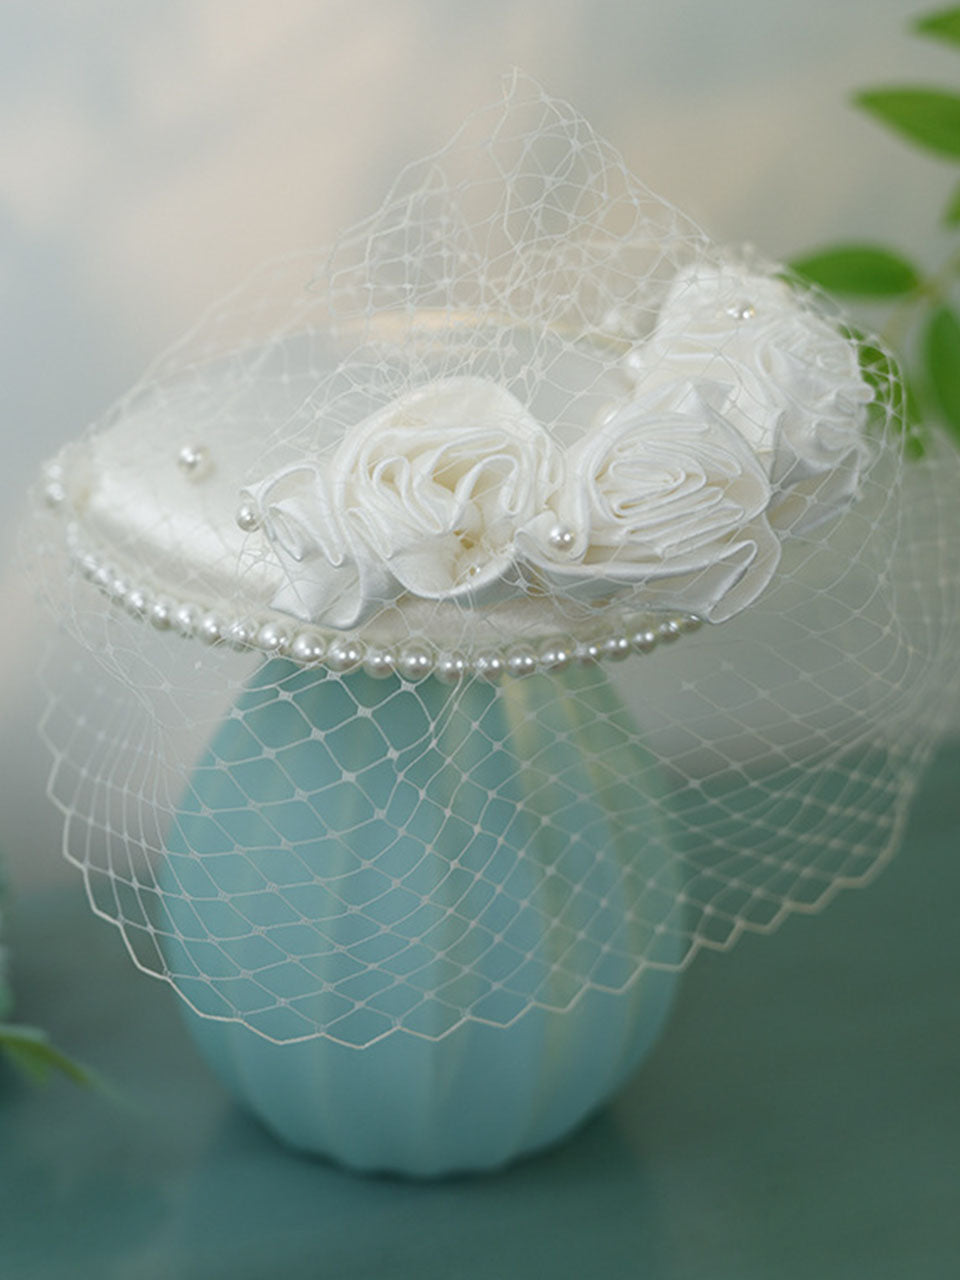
{"x":920,"y":303}
{"x":31,"y":1051}
{"x":27,"y":1048}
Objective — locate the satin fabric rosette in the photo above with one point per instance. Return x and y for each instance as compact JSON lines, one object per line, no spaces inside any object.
{"x":794,"y":386}
{"x":744,"y":421}
{"x":422,"y":498}
{"x":670,"y":502}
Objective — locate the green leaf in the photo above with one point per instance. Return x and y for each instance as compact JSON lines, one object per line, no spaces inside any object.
{"x":928,"y":117}
{"x":941,"y":349}
{"x":943,"y":25}
{"x":861,"y":269}
{"x":915,"y":446}
{"x":896,"y":403}
{"x":33,"y":1053}
{"x":951,"y":214}
{"x":881,"y":372}
{"x":915,"y":426}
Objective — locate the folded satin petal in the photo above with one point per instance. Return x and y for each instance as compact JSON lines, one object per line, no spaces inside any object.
{"x":718,"y":591}
{"x":821,"y":448}
{"x":324,"y":580}
{"x":673,"y":503}
{"x":422,"y":497}
{"x":794,"y":387}
{"x":341,"y":596}
{"x":295,"y":511}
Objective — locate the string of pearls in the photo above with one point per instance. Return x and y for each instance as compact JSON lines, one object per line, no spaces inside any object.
{"x":275,"y":636}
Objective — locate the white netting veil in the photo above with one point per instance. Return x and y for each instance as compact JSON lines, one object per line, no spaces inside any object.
{"x":512,"y":600}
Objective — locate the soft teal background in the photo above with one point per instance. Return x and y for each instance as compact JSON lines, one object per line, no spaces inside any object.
{"x":800,"y":1119}
{"x":6,"y":996}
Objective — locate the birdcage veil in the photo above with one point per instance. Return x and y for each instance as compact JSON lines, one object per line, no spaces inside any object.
{"x":518,"y":596}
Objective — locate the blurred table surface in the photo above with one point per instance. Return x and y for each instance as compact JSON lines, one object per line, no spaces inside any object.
{"x":800,"y":1118}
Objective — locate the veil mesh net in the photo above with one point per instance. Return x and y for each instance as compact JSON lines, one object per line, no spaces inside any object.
{"x":645,"y":644}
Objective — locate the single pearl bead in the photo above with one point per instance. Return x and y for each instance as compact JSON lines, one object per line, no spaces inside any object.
{"x":521,"y":662}
{"x":560,"y":538}
{"x":644,"y":640}
{"x":135,"y":602}
{"x":414,"y":663}
{"x":271,"y":638}
{"x":307,"y":647}
{"x":450,"y":668}
{"x":491,"y":666}
{"x":185,"y":619}
{"x":193,"y":460}
{"x":587,"y":653}
{"x":210,"y":630}
{"x":379,"y":664}
{"x":689,"y":623}
{"x":742,"y":311}
{"x":241,"y":635}
{"x":161,"y":615}
{"x":616,"y":648}
{"x":247,"y":517}
{"x":344,"y":655}
{"x":556,"y":655}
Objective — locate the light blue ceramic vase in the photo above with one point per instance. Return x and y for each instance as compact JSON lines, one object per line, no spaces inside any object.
{"x":474,"y":843}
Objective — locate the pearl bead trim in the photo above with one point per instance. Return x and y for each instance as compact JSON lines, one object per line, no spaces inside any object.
{"x":279,"y":636}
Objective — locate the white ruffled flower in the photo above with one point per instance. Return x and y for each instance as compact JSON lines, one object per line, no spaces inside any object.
{"x":795,"y":390}
{"x":664,"y":496}
{"x":422,"y":497}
